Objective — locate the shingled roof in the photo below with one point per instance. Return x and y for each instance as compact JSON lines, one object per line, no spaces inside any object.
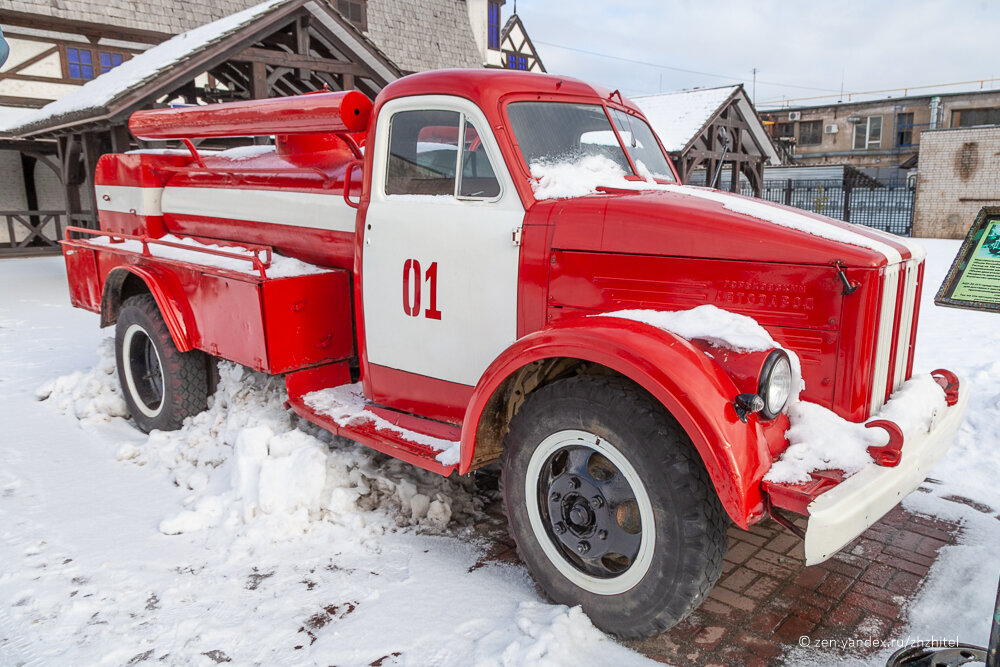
{"x":169,"y":17}
{"x":419,"y":35}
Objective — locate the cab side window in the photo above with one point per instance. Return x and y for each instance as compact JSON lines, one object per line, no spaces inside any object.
{"x":438,"y":153}
{"x":478,"y":178}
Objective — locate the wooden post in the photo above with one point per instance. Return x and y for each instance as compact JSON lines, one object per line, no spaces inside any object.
{"x":258,"y":83}
{"x":91,"y":153}
{"x":302,"y":43}
{"x":69,"y":164}
{"x":120,"y":139}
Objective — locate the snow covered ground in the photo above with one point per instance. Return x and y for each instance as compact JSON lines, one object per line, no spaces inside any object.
{"x":249,"y":537}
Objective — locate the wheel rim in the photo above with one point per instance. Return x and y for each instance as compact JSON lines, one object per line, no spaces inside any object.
{"x":590,"y":512}
{"x":143,"y":371}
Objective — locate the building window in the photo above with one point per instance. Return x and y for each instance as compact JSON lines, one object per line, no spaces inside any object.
{"x":515,"y":61}
{"x":355,"y":12}
{"x":784,"y":130}
{"x":493,"y":25}
{"x":868,"y":133}
{"x":85,"y":64}
{"x":81,"y":63}
{"x":811,"y":133}
{"x":904,"y":129}
{"x":973,"y":117}
{"x":110,"y":60}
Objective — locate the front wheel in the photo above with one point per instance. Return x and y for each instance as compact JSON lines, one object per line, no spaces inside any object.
{"x":161,"y":385}
{"x":610,"y":505}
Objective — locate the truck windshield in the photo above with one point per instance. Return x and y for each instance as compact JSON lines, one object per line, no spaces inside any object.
{"x":559,"y":132}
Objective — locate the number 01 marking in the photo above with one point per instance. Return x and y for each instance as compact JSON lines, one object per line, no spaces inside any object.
{"x":412,"y":281}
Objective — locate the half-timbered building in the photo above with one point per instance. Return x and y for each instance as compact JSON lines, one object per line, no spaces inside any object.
{"x":78,"y":70}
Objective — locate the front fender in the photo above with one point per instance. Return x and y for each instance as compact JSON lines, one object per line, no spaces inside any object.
{"x":163,"y":285}
{"x":685,"y":380}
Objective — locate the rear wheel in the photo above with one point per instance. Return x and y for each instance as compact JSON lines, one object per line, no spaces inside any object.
{"x":161,"y":385}
{"x":610,"y":505}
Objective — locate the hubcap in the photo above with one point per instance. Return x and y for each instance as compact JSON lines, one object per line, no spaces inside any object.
{"x":143,"y":371}
{"x":594,"y":515}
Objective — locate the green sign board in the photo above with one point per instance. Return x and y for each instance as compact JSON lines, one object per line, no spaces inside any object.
{"x":974,"y":278}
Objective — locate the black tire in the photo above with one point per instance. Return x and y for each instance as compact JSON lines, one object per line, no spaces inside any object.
{"x":571,"y":447}
{"x":161,"y":385}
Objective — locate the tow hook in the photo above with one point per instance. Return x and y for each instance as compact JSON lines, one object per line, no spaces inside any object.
{"x":890,"y":454}
{"x":949,"y":382}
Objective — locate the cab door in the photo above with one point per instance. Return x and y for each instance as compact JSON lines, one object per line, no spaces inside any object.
{"x":440,"y":251}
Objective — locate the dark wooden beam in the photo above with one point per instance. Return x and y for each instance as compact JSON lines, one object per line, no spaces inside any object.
{"x":258,"y":81}
{"x":69,"y":156}
{"x":40,"y":79}
{"x":72,"y":27}
{"x":121,"y":140}
{"x":302,"y":42}
{"x":26,"y":102}
{"x":29,"y":62}
{"x":91,"y":153}
{"x":276,"y":59}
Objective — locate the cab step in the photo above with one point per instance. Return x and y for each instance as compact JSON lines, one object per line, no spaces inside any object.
{"x":343,"y":410}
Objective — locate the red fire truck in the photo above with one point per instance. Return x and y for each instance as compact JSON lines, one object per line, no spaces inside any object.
{"x":392,"y":261}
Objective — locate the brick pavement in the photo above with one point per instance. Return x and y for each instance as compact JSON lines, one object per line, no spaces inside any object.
{"x":767,"y":598}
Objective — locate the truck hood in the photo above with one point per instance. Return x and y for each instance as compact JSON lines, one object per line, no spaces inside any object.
{"x":686,"y":221}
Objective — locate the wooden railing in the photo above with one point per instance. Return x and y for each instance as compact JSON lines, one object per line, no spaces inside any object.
{"x":31,"y":232}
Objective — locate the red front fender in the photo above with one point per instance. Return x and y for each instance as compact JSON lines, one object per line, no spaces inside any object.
{"x":690,"y":385}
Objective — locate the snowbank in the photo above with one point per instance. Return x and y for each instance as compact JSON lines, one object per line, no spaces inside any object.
{"x":281,"y":266}
{"x":92,"y":396}
{"x":247,"y":458}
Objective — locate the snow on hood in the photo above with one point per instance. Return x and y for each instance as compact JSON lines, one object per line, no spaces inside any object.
{"x":768,"y":212}
{"x":579,"y":178}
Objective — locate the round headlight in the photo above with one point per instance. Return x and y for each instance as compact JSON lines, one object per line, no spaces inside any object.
{"x":775,"y":383}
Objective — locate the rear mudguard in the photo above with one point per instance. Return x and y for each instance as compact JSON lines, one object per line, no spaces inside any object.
{"x":166,"y":291}
{"x":692,"y":386}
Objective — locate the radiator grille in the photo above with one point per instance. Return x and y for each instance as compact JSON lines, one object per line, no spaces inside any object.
{"x":892,"y":352}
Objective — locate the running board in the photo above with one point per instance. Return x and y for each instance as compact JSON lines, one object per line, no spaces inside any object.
{"x":340,"y":409}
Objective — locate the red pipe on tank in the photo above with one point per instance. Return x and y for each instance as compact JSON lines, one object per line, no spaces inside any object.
{"x":343,"y":111}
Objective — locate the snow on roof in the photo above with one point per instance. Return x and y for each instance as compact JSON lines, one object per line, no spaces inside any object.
{"x":101,"y":91}
{"x":677,"y":117}
{"x":12,"y":115}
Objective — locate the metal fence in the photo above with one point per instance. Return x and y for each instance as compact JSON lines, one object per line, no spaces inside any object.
{"x":888,"y":207}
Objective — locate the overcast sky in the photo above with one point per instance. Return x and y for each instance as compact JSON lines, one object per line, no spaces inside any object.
{"x":800,"y":49}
